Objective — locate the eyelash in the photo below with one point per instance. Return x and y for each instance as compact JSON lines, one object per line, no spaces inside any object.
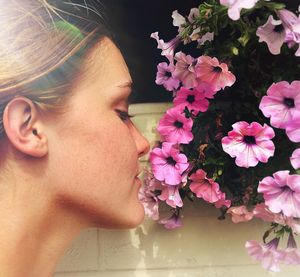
{"x":125,"y":116}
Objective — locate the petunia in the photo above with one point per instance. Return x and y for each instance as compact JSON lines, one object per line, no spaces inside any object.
{"x":235,"y":7}
{"x":240,"y":214}
{"x":295,"y":158}
{"x":204,"y":187}
{"x":293,"y":128}
{"x":170,"y":194}
{"x":208,"y":90}
{"x":178,"y":20}
{"x":249,"y":143}
{"x":209,"y":36}
{"x":149,"y":201}
{"x":175,"y":127}
{"x":172,"y":222}
{"x":216,"y":74}
{"x":193,"y":15}
{"x":168,"y":164}
{"x":291,"y":253}
{"x":165,"y":76}
{"x":281,"y":193}
{"x":222,"y":201}
{"x":282,"y":103}
{"x":185,"y":69}
{"x":166,"y":47}
{"x":267,"y":254}
{"x":273,"y":33}
{"x":194,"y":100}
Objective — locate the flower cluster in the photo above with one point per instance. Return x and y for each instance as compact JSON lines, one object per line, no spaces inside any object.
{"x":232,"y":136}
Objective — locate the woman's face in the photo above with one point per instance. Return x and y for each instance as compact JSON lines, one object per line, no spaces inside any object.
{"x":94,"y":148}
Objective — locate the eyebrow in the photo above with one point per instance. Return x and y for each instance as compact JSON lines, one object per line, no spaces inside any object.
{"x":129,"y":86}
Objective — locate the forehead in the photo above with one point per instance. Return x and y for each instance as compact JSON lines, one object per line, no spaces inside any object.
{"x":106,"y":66}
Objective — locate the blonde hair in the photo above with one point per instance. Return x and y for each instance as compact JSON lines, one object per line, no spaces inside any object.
{"x":41,"y":46}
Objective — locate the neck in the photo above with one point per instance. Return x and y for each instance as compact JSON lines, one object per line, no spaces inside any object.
{"x":34,"y":234}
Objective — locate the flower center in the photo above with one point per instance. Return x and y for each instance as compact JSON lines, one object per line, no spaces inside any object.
{"x":278,"y":28}
{"x":249,"y":139}
{"x":289,"y":102}
{"x":194,"y":62}
{"x":217,"y":69}
{"x":178,"y":124}
{"x":190,"y":99}
{"x":168,"y":74}
{"x":171,"y":161}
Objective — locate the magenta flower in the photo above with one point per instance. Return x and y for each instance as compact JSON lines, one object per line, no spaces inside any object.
{"x":194,"y":100}
{"x":185,"y":70}
{"x":204,"y":187}
{"x":216,"y":74}
{"x":293,"y":128}
{"x":168,"y":164}
{"x":281,"y":193}
{"x":282,"y":103}
{"x":170,"y":194}
{"x":165,"y":76}
{"x":267,"y":254}
{"x":175,"y":127}
{"x":235,"y":7}
{"x":166,"y":47}
{"x":272,"y":33}
{"x":172,"y":222}
{"x":249,"y":143}
{"x":240,"y":214}
{"x":295,"y":159}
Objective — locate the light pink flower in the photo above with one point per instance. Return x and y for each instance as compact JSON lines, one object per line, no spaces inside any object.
{"x":166,"y":47}
{"x":293,"y":128}
{"x":272,"y":33}
{"x":194,"y":100}
{"x":291,"y":253}
{"x":209,"y":36}
{"x":165,"y":76}
{"x":204,"y":187}
{"x":222,"y":201}
{"x":178,"y":20}
{"x":185,"y":69}
{"x":249,"y":143}
{"x":295,"y":159}
{"x":267,"y":254}
{"x":149,"y":201}
{"x":170,"y":194}
{"x":168,"y":164}
{"x":282,"y":103}
{"x":208,"y":90}
{"x":175,"y":127}
{"x":172,"y":222}
{"x":193,"y":15}
{"x":235,"y":6}
{"x":240,"y":214}
{"x":281,"y":193}
{"x":216,"y":74}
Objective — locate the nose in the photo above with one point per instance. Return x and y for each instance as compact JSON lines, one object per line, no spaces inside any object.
{"x":142,"y":143}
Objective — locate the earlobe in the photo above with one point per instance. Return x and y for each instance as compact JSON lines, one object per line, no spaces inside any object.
{"x":24,"y":128}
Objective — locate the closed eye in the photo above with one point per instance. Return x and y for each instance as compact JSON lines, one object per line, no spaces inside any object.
{"x":125,"y":116}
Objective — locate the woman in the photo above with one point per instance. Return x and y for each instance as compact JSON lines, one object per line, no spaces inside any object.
{"x":69,"y":152}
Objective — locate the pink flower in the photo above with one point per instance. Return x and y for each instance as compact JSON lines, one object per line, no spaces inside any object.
{"x":185,"y":70}
{"x":272,"y":33}
{"x":165,"y":76}
{"x":281,"y":193}
{"x":194,"y":100}
{"x":175,"y":127}
{"x":170,"y":194}
{"x":166,"y":47}
{"x":295,"y":159}
{"x":282,"y":103}
{"x":293,"y":128}
{"x":204,"y":187}
{"x":291,"y":253}
{"x":249,"y":143}
{"x":172,"y":222}
{"x":240,"y":214}
{"x":267,"y":254}
{"x":168,"y":164}
{"x":209,"y":70}
{"x":262,"y":211}
{"x":149,"y":201}
{"x":235,"y":6}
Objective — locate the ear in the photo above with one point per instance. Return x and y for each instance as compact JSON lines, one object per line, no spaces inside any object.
{"x":24,"y":128}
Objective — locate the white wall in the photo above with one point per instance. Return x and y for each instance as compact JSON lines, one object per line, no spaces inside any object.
{"x":204,"y":247}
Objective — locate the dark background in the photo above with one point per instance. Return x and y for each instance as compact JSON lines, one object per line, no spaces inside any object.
{"x":132,"y":22}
